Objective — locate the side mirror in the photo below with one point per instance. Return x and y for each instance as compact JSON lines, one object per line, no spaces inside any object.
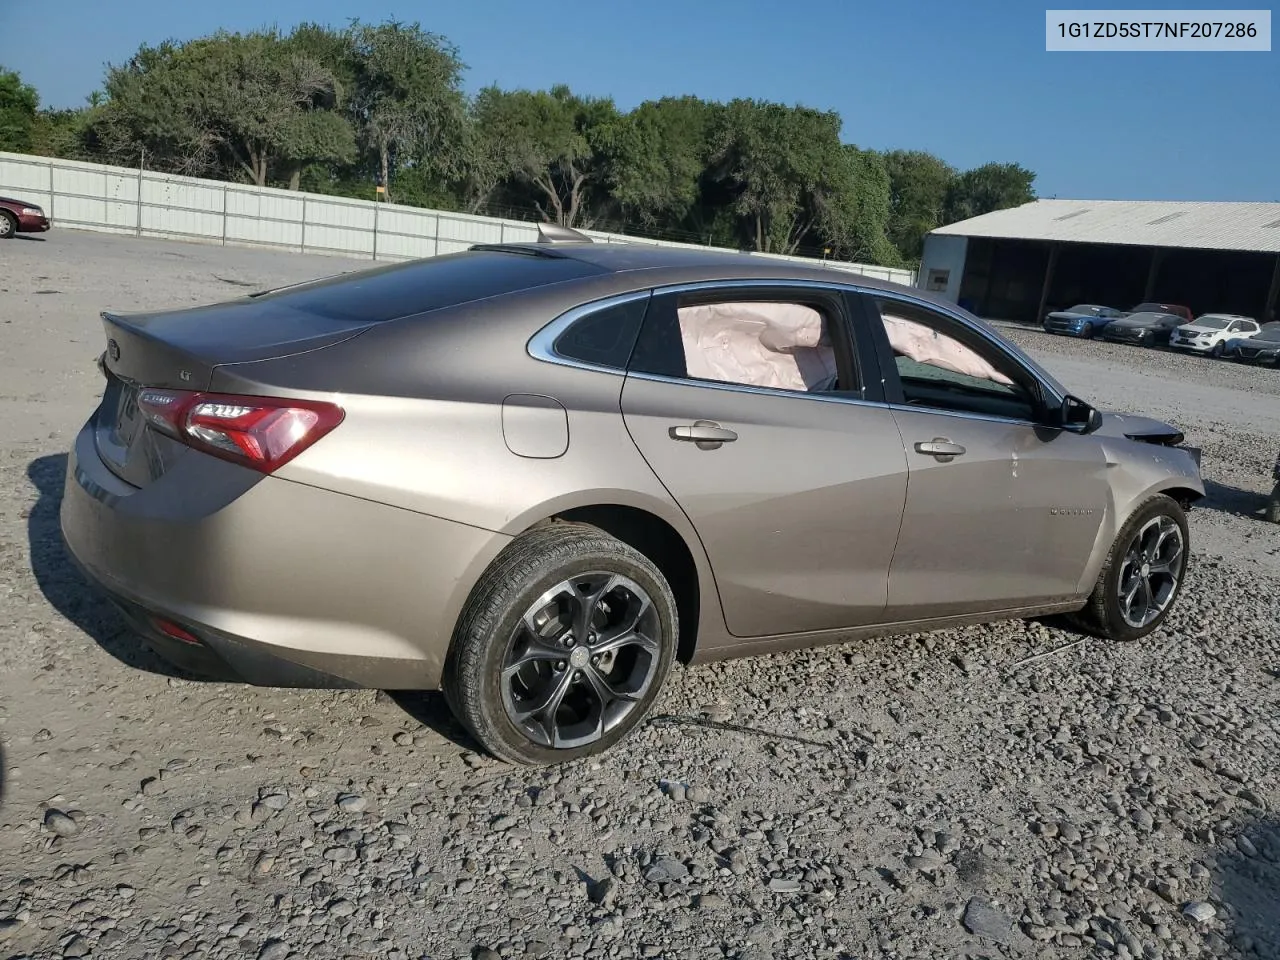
{"x":1078,"y":416}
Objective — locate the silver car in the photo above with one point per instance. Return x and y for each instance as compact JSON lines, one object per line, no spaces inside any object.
{"x":534,"y":475}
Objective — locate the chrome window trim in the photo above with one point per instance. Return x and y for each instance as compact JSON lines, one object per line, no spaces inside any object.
{"x":854,"y":287}
{"x":993,"y":340}
{"x":756,"y":391}
{"x":541,"y":345}
{"x":967,"y":415}
{"x":833,"y":398}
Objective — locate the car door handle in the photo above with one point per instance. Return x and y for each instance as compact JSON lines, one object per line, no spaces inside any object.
{"x":705,"y":433}
{"x":941,"y":448}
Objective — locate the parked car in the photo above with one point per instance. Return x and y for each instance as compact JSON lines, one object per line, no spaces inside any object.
{"x":1262,"y":347}
{"x":1177,"y":309}
{"x":535,"y":474}
{"x":1211,"y":331}
{"x":20,"y":216}
{"x":1082,"y":320}
{"x":1144,"y":329}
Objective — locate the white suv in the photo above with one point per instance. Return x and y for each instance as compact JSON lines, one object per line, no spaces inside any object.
{"x":1210,"y":332}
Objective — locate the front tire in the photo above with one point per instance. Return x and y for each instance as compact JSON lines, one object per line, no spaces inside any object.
{"x":563,"y":646}
{"x":1143,"y":573}
{"x":1087,"y":331}
{"x":1273,"y":506}
{"x":1216,"y":351}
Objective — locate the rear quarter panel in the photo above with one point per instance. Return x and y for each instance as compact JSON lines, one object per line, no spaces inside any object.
{"x":423,"y":429}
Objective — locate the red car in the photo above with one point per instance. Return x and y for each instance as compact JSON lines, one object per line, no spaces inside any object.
{"x":18,"y":216}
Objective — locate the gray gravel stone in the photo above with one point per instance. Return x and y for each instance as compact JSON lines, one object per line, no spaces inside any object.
{"x":1199,"y":910}
{"x":352,"y":803}
{"x":58,"y":822}
{"x":984,"y":919}
{"x":342,"y":908}
{"x":666,"y":870}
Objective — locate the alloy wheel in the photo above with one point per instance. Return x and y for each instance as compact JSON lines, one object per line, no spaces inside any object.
{"x":1150,"y":571}
{"x":582,"y":658}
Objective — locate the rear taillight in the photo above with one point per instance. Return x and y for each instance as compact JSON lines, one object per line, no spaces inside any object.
{"x":263,"y":433}
{"x":175,"y":632}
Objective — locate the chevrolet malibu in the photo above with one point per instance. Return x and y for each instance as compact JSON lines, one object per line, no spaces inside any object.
{"x":535,"y":475}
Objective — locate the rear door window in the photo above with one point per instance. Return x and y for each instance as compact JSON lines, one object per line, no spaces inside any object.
{"x":782,"y":340}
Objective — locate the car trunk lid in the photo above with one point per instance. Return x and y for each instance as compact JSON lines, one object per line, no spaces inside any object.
{"x":180,"y":350}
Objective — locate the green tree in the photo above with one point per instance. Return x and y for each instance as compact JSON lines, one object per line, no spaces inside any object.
{"x":547,"y":142}
{"x":787,"y":172}
{"x":918,"y":185}
{"x":863,"y":234}
{"x":654,"y":157}
{"x":18,"y":105}
{"x":61,"y":133}
{"x":230,"y":102}
{"x":992,"y":186}
{"x":407,"y":101}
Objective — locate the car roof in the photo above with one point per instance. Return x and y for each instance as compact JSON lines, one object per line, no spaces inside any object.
{"x":621,"y":257}
{"x":635,"y":266}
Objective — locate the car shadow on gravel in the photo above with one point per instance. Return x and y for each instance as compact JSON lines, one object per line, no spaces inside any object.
{"x":431,"y":710}
{"x":1246,"y":878}
{"x":1233,"y":500}
{"x":65,"y":587}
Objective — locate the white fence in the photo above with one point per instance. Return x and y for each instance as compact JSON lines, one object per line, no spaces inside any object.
{"x":92,"y":196}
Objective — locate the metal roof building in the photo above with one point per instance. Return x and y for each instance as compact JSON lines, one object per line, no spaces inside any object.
{"x":1019,"y":263}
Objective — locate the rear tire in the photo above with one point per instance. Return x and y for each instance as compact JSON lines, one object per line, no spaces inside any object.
{"x":8,"y":225}
{"x":547,"y":624}
{"x":1153,"y":546}
{"x":1273,"y":505}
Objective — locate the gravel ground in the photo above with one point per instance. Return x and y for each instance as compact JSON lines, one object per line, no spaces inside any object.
{"x":927,"y":796}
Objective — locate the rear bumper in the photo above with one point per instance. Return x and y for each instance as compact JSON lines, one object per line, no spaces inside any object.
{"x":281,"y":583}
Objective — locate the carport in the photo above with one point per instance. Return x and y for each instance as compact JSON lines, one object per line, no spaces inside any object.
{"x":1019,"y":263}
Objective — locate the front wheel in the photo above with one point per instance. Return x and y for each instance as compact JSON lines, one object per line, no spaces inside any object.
{"x":1142,"y":575}
{"x":1217,"y":349}
{"x":1087,"y":331}
{"x":562,"y":647}
{"x":1273,"y":505}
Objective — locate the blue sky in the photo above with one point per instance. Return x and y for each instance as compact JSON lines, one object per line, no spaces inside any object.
{"x":970,"y":82}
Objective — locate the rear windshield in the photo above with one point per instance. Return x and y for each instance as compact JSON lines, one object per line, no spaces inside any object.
{"x":405,"y":289}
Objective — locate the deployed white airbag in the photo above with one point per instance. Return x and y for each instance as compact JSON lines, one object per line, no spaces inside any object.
{"x":925,"y":345}
{"x":779,"y":345}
